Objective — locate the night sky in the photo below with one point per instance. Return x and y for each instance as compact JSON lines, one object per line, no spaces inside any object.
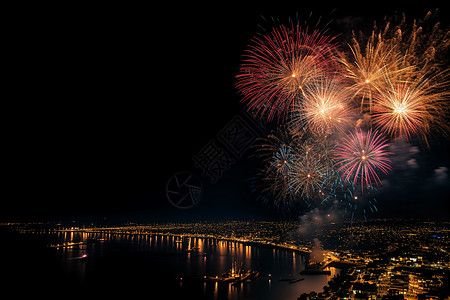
{"x":107,"y":106}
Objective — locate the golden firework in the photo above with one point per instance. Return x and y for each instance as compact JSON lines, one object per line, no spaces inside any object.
{"x":413,"y":107}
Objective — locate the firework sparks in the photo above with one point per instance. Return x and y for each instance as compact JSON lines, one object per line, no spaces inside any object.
{"x":358,"y":202}
{"x":325,"y":108}
{"x":361,"y":155}
{"x":422,"y":43}
{"x":411,"y":108}
{"x":368,"y":69}
{"x":278,"y":154}
{"x":311,"y":171}
{"x":278,"y":66}
{"x":396,"y":76}
{"x":399,"y":52}
{"x":296,"y":170}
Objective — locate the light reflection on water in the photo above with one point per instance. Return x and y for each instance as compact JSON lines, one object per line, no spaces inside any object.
{"x":165,"y":254}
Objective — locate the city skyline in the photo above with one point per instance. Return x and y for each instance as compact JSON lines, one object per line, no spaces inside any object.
{"x":382,"y":259}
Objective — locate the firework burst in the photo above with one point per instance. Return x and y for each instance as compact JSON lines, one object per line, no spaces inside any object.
{"x":393,"y":81}
{"x":423,"y":43}
{"x":360,"y":156}
{"x":296,"y":171}
{"x":359,"y":203}
{"x":368,"y":68}
{"x":396,"y":53}
{"x":411,"y":108}
{"x":279,"y":65}
{"x":278,"y":153}
{"x":325,"y":108}
{"x":310,"y":173}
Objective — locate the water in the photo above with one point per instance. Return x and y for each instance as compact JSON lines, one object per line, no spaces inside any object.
{"x":153,"y":264}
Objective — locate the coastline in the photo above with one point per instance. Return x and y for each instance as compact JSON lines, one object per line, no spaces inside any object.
{"x":305,"y":252}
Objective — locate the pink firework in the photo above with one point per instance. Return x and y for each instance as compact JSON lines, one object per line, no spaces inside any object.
{"x":278,"y":66}
{"x":361,"y":155}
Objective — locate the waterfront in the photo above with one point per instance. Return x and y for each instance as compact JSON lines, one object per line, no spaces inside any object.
{"x":409,"y":258}
{"x":102,"y":262}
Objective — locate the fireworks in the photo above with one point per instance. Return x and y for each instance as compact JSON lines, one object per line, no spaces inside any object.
{"x":361,"y":155}
{"x":367,"y":70}
{"x":357,"y":202}
{"x":396,"y":54}
{"x":278,"y":153}
{"x":296,"y":169}
{"x":335,"y":105}
{"x":310,"y":173}
{"x":423,"y":43}
{"x":410,"y":108}
{"x":325,"y":108}
{"x":278,"y":66}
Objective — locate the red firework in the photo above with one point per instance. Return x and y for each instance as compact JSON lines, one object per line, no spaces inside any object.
{"x":361,"y":155}
{"x":278,"y":66}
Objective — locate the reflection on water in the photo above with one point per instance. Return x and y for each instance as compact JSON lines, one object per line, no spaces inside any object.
{"x":161,"y":260}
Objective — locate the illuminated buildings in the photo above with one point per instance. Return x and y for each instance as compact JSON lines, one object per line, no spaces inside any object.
{"x":381,"y":258}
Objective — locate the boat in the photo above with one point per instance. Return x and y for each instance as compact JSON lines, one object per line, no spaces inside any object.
{"x":296,"y":280}
{"x":82,"y":257}
{"x":291,"y":280}
{"x":195,"y":252}
{"x":315,"y":272}
{"x":67,"y":245}
{"x":235,"y":275}
{"x":198,"y":253}
{"x":191,"y":249}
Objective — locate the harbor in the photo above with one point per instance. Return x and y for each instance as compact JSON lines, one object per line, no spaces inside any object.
{"x":316,"y":268}
{"x":185,"y":265}
{"x":234,"y":276}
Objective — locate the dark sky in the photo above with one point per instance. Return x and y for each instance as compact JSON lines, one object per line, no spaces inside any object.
{"x":108,"y":105}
